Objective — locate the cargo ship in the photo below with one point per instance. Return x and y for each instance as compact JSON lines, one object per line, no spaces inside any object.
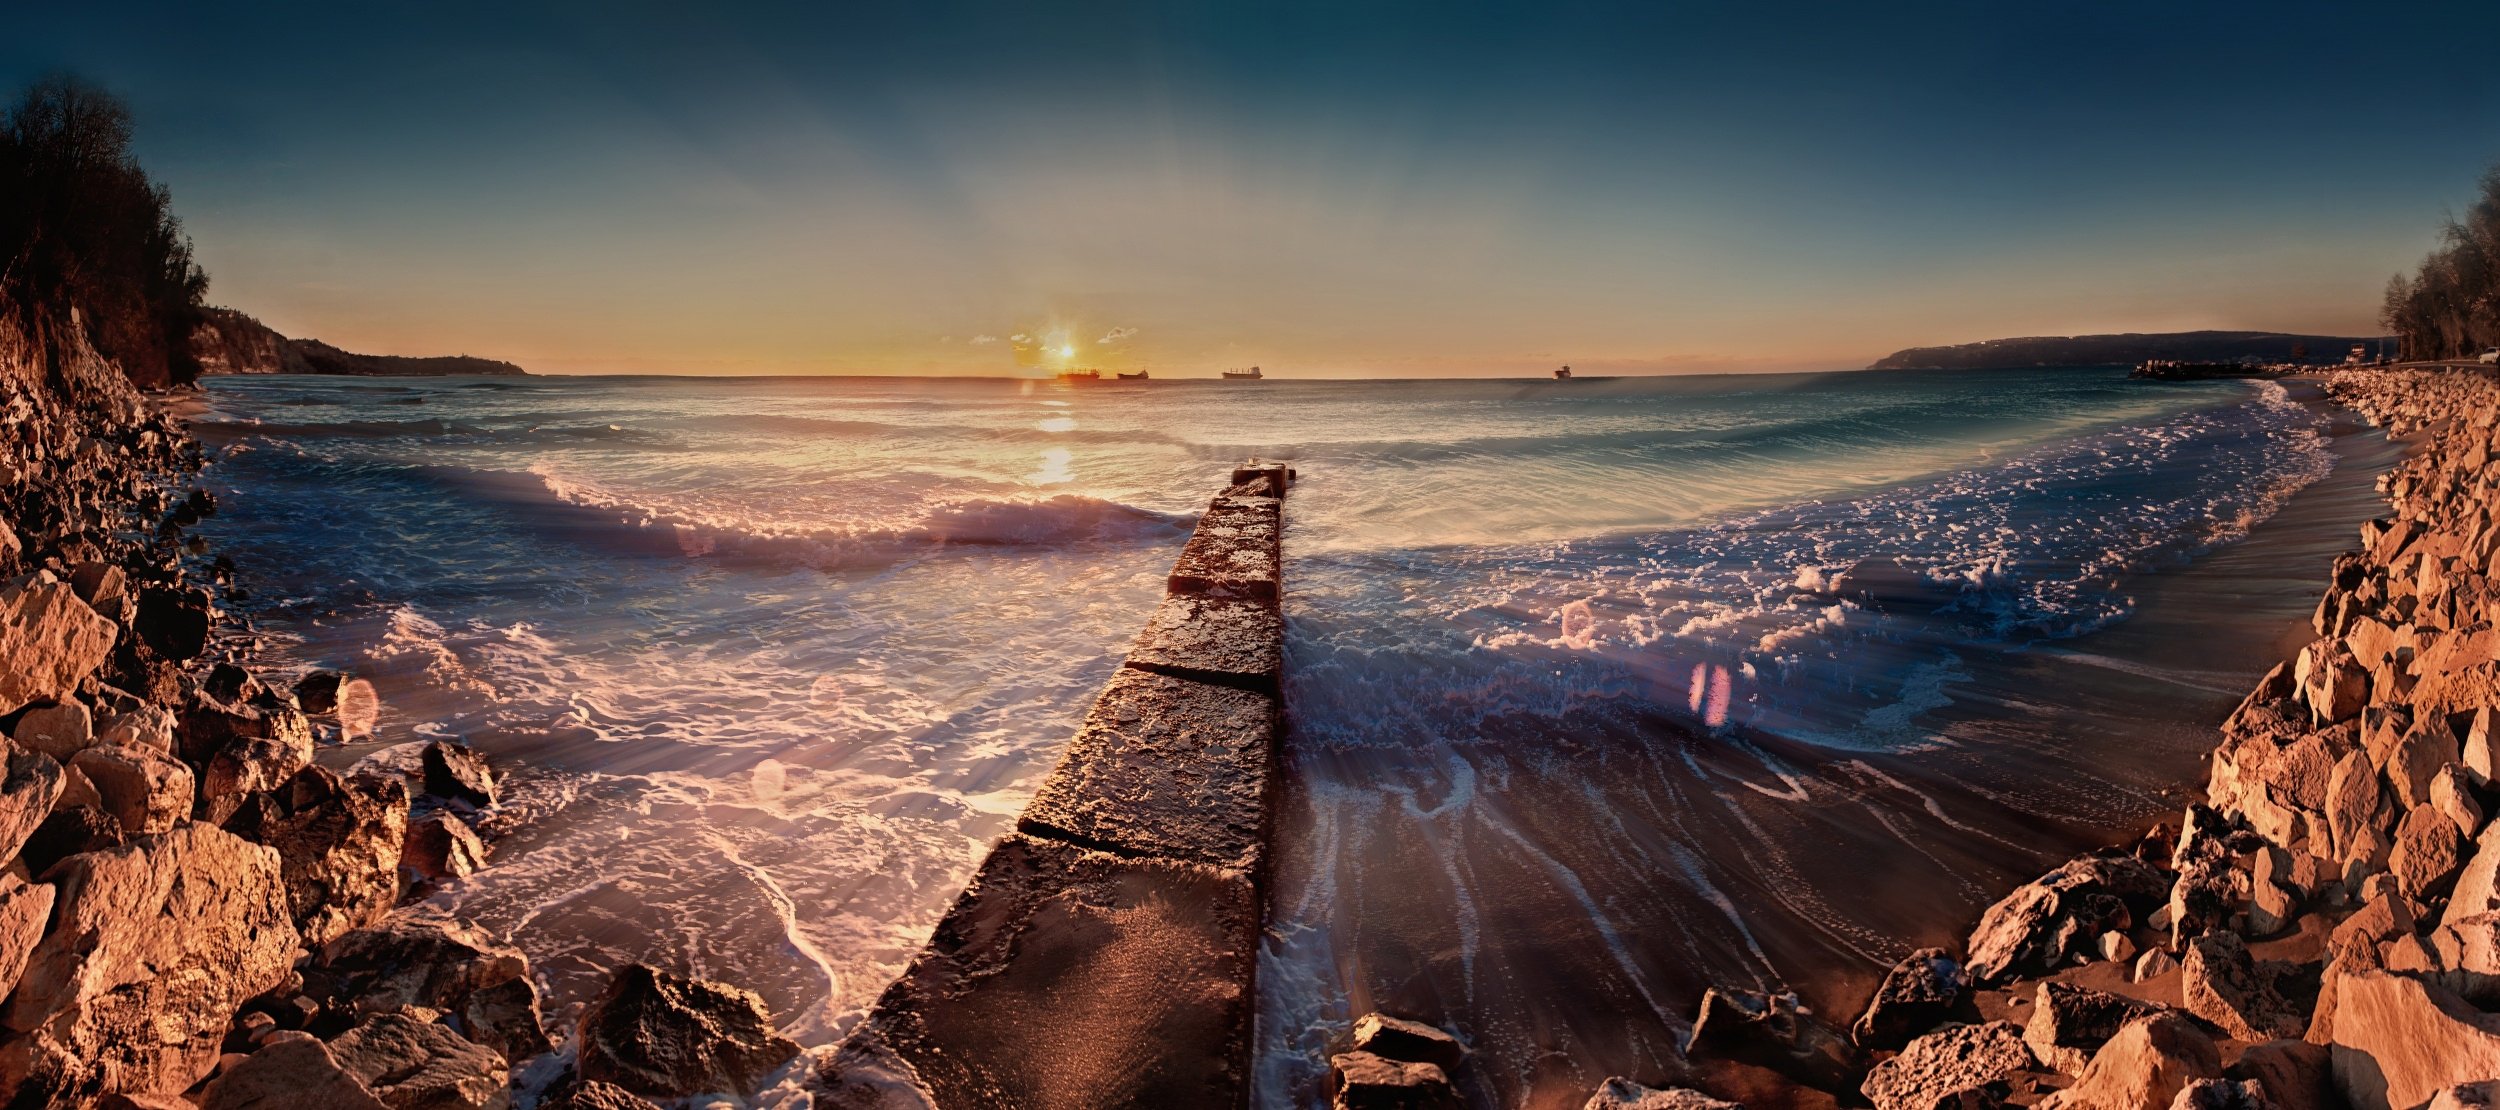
{"x":1250,"y":375}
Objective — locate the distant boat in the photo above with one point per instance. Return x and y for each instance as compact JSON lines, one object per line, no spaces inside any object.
{"x":1563,"y":374}
{"x":1136,"y":377}
{"x":1080,"y":375}
{"x":1250,"y":375}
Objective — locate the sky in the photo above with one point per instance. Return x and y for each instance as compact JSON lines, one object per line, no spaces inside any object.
{"x":1323,"y":189}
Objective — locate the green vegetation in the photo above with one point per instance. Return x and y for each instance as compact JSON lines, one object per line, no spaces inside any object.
{"x":83,"y":227}
{"x":2451,"y":307}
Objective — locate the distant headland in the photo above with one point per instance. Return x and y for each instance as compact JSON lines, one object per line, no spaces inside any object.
{"x":229,"y":342}
{"x":2127,"y":349}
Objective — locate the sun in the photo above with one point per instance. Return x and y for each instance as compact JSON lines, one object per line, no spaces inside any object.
{"x":1067,"y":350}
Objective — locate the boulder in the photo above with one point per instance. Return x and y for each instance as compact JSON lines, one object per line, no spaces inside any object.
{"x":1917,"y":995}
{"x":2356,"y":803}
{"x":2147,"y":1063}
{"x":2068,"y":1023}
{"x":441,"y":846}
{"x":661,"y":1034}
{"x":58,"y":730}
{"x":2469,"y":1096}
{"x":2477,"y":889}
{"x":1773,"y":1031}
{"x":2468,"y":958}
{"x":457,"y":773}
{"x":24,"y":910}
{"x":69,"y":831}
{"x":410,"y":1064}
{"x":2224,"y":1094}
{"x":2035,"y":927}
{"x":1368,"y":1082}
{"x":1958,"y":1065}
{"x":32,"y":784}
{"x":504,"y":1017}
{"x":145,"y":790}
{"x":102,"y":585}
{"x":2429,"y":850}
{"x":1414,"y":1041}
{"x":318,"y":691}
{"x":153,"y":947}
{"x":2221,"y":983}
{"x":1618,"y":1093}
{"x":595,"y":1096}
{"x":49,"y":640}
{"x":2398,"y":1042}
{"x":174,"y":621}
{"x":341,"y":839}
{"x":2452,"y":793}
{"x":2417,"y":759}
{"x":293,"y":1071}
{"x":2333,"y":683}
{"x":242,"y":739}
{"x":422,"y":961}
{"x":2296,"y":1074}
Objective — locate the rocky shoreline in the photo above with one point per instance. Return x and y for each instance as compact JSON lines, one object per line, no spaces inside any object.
{"x":193,"y":912}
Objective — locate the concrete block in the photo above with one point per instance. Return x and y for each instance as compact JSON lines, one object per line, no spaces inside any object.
{"x":1238,"y":643}
{"x":1165,"y":767}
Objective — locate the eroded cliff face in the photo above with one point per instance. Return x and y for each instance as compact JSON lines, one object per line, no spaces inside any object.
{"x":229,"y":342}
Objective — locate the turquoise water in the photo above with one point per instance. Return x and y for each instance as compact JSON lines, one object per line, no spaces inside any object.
{"x":773,"y":660}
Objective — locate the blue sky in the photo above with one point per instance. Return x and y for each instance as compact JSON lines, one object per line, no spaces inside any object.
{"x":1322,"y":188}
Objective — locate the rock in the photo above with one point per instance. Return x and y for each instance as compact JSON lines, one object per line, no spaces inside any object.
{"x":1917,"y":995}
{"x":146,"y":791}
{"x":2333,"y":683}
{"x":1959,"y":1065}
{"x":2222,"y":984}
{"x":1622,"y":1094}
{"x":456,"y":772}
{"x":595,"y":1096}
{"x":341,"y":839}
{"x":411,"y":961}
{"x":49,"y":640}
{"x":2297,"y":1075}
{"x":2355,"y":804}
{"x":2452,"y":794}
{"x":67,"y":832}
{"x":2035,"y":927}
{"x":2477,"y":889}
{"x":2147,"y":1063}
{"x":174,"y":621}
{"x":1771,"y":1031}
{"x":242,"y":739}
{"x":2378,"y":921}
{"x":58,"y":731}
{"x":2154,"y":962}
{"x":441,"y":846}
{"x":2068,"y":1023}
{"x":2417,"y":758}
{"x":2398,"y":1042}
{"x":661,"y":1034}
{"x":2116,"y":948}
{"x":1413,"y":1041}
{"x":101,"y":585}
{"x":416,"y":1065}
{"x":2223,"y":1094}
{"x":504,"y":1017}
{"x":2468,"y":958}
{"x":2429,"y":850}
{"x":32,"y":784}
{"x":1368,"y":1082}
{"x":2469,"y":1096}
{"x":153,"y":947}
{"x":24,"y":910}
{"x":294,"y":1071}
{"x":318,"y":691}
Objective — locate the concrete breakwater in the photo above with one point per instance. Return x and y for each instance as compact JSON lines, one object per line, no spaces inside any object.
{"x":1104,"y":954}
{"x":2322,"y":931}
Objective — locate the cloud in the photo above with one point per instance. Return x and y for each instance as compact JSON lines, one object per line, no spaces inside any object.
{"x":1116,"y":334}
{"x":1019,"y":337}
{"x":984,"y":340}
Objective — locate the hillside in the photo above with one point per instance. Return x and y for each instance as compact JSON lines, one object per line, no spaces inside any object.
{"x":229,"y":342}
{"x":2126,"y":349}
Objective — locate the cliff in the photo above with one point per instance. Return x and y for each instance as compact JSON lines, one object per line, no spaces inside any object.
{"x":229,"y":342}
{"x":2126,"y":349}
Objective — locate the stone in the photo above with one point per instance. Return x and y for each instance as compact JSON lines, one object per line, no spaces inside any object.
{"x":2068,"y":1023}
{"x":103,"y":586}
{"x":32,"y":784}
{"x":2333,"y":683}
{"x":595,"y":1096}
{"x":2398,"y":1042}
{"x":1772,"y":1031}
{"x":441,"y":846}
{"x":2296,"y":1074}
{"x":2466,"y":959}
{"x":661,"y":1034}
{"x":25,"y":908}
{"x":1165,"y":767}
{"x":2154,"y":962}
{"x":1958,"y":1065}
{"x":2147,"y":1063}
{"x":174,"y":621}
{"x":457,"y":773}
{"x":2469,"y":1096}
{"x":1148,"y":957}
{"x":504,"y":1017}
{"x":1364,"y":1081}
{"x":2034,"y":928}
{"x":293,"y":1071}
{"x":2378,"y":921}
{"x":1212,"y":639}
{"x":2481,"y":746}
{"x":411,"y":960}
{"x":58,"y":731}
{"x":69,"y":831}
{"x":153,"y":947}
{"x":242,"y":739}
{"x":1235,"y":553}
{"x":2355,"y":802}
{"x":1917,"y":995}
{"x":2429,"y":850}
{"x":143,"y":789}
{"x":49,"y":641}
{"x":318,"y":691}
{"x":2417,"y":759}
{"x":1414,"y":1041}
{"x":2116,"y":947}
{"x":2222,"y":984}
{"x":2452,"y":794}
{"x":2223,"y":1094}
{"x":341,"y":840}
{"x":2477,"y":889}
{"x":411,"y":1064}
{"x":1618,"y":1093}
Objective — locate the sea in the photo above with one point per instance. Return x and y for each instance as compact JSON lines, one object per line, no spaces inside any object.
{"x":1588,"y":709}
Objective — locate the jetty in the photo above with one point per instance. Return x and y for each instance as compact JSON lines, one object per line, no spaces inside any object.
{"x":1104,"y":954}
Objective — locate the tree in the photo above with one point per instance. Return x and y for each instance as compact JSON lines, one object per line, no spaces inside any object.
{"x":82,"y":225}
